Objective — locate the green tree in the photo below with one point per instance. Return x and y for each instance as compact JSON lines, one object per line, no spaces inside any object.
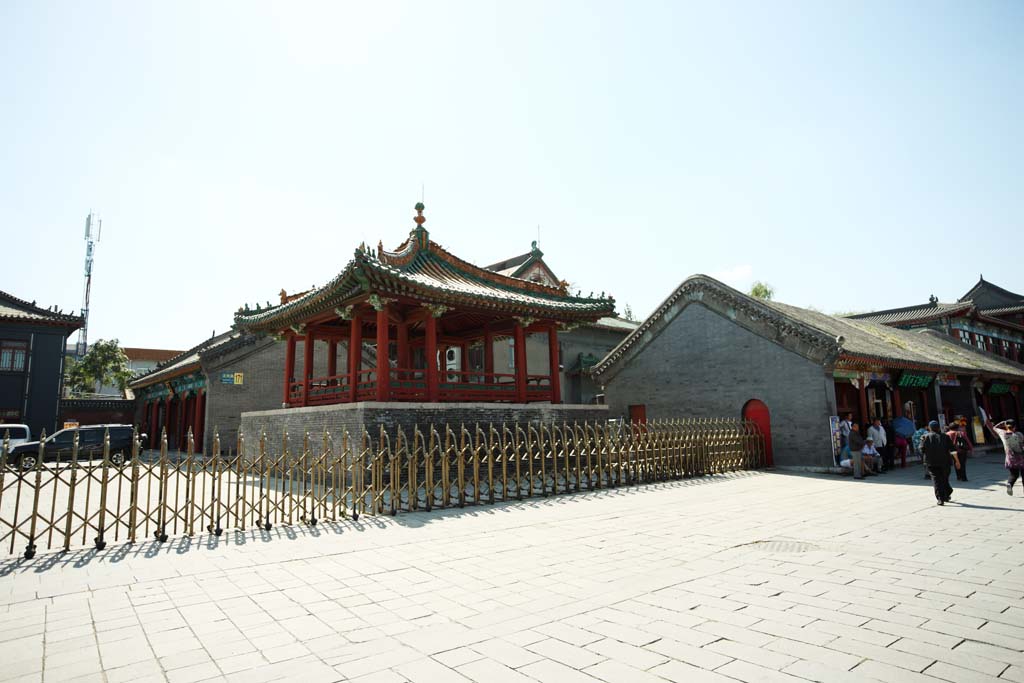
{"x":104,"y":363}
{"x":628,"y":314}
{"x":762,"y":290}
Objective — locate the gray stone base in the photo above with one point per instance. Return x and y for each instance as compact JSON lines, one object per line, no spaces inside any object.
{"x":372,"y":415}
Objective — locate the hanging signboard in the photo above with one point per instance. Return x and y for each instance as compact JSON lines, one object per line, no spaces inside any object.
{"x":999,"y":388}
{"x":845,"y":374}
{"x":946,"y":379}
{"x":915,"y":380}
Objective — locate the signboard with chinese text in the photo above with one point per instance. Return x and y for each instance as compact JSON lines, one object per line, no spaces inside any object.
{"x":914,"y":380}
{"x":236,"y":378}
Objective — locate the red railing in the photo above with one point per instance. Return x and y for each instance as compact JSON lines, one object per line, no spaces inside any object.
{"x":410,"y":384}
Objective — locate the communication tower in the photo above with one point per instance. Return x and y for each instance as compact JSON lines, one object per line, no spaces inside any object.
{"x":93,"y":231}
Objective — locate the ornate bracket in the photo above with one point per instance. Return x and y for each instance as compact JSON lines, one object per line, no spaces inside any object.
{"x":437,"y":310}
{"x":567,"y":327}
{"x":525,"y":322}
{"x":299,"y":328}
{"x":379,"y":302}
{"x":345,"y":313}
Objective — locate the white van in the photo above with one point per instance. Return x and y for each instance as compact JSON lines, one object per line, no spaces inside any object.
{"x":16,"y":433}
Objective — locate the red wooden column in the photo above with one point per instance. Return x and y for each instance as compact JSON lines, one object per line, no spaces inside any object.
{"x":463,"y":361}
{"x":403,"y":349}
{"x":154,"y":418}
{"x":519,"y":339}
{"x":383,"y":365}
{"x":488,"y":354}
{"x":332,"y":357}
{"x":898,"y":408}
{"x":556,"y":380}
{"x":289,"y":368}
{"x":355,"y":355}
{"x":986,"y":403}
{"x":197,"y":420}
{"x":433,"y":388}
{"x":864,"y":401}
{"x":167,"y":418}
{"x":307,"y":365}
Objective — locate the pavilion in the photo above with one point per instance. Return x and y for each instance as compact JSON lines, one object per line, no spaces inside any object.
{"x":397,"y":313}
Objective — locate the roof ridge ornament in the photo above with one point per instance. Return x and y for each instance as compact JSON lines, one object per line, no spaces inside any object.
{"x":419,"y":235}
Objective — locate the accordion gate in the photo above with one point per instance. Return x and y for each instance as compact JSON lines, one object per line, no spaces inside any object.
{"x":72,"y":502}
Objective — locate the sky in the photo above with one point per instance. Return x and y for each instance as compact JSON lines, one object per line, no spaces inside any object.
{"x":854,"y":155}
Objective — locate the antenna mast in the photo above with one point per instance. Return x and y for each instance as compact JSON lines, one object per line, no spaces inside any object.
{"x":91,"y":239}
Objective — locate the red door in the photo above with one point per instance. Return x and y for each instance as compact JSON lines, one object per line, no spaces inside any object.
{"x":638,"y":414}
{"x":757,"y":412}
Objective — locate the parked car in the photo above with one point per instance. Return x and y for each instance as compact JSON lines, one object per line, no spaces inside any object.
{"x":16,"y":434}
{"x":60,"y":445}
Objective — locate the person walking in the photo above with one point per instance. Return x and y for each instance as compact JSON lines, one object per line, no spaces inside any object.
{"x":963,"y":448}
{"x":855,"y":442}
{"x":1013,"y":445}
{"x":877,"y":434}
{"x":938,"y":454}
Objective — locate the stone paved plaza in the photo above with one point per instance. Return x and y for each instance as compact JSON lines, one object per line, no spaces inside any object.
{"x":749,"y":577}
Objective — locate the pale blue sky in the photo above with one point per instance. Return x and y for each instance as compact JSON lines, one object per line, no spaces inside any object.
{"x":855,"y":155}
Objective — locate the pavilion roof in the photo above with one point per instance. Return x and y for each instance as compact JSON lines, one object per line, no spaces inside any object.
{"x":422,"y":270}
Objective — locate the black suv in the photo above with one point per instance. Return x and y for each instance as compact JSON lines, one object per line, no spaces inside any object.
{"x":60,"y":444}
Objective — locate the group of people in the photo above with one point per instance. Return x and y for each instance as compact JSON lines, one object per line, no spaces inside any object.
{"x":942,"y":451}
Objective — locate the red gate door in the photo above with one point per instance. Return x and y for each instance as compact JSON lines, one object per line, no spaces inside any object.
{"x":757,"y":412}
{"x":638,"y":414}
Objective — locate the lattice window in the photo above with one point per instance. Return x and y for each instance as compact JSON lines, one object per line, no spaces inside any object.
{"x":13,"y":355}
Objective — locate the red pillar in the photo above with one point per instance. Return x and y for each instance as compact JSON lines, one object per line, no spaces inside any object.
{"x":863,"y":401}
{"x":355,"y":355}
{"x":488,"y":354}
{"x":923,"y":395}
{"x":332,"y":357}
{"x":154,"y":418}
{"x":166,"y":427}
{"x":181,"y":421}
{"x":197,"y":419}
{"x":289,"y":368}
{"x":463,"y":361}
{"x":519,"y":339}
{"x":556,"y":380}
{"x":987,"y":404}
{"x":383,"y":364}
{"x":898,"y":408}
{"x":403,"y":348}
{"x":433,"y":388}
{"x":308,"y":343}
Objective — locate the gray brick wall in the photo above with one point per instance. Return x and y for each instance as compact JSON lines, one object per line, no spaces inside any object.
{"x":704,"y":365}
{"x":372,"y":415}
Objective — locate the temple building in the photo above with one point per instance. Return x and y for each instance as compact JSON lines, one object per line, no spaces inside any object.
{"x":413,"y":306}
{"x":793,"y":371}
{"x":987,"y":317}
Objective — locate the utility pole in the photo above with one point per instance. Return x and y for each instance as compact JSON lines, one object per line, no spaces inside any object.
{"x":91,"y":240}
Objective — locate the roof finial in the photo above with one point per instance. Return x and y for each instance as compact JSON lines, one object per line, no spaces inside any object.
{"x":420,"y":218}
{"x":933,"y":299}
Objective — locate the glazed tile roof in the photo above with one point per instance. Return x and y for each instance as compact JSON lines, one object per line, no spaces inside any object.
{"x":1005,"y":310}
{"x":184,"y":362}
{"x":907,"y":314}
{"x":831,"y":337}
{"x":984,"y":294}
{"x":423,"y":270}
{"x":13,"y":309}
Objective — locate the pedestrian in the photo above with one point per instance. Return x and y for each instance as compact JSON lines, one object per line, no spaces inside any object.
{"x":963,"y":448}
{"x":855,"y":442}
{"x":871,"y":457}
{"x":938,"y":454}
{"x":877,"y":434}
{"x":1013,"y":445}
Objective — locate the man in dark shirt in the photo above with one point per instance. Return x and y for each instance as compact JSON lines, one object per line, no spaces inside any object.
{"x":938,"y":453}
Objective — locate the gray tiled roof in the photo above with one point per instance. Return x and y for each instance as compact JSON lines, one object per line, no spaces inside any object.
{"x":14,"y":309}
{"x":895,"y":316}
{"x":920,"y":347}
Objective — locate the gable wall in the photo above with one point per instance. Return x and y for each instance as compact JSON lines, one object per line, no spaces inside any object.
{"x":704,"y":365}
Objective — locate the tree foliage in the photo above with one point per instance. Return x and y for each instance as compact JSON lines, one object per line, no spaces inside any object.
{"x":762,"y":290}
{"x":104,"y":363}
{"x":628,"y":314}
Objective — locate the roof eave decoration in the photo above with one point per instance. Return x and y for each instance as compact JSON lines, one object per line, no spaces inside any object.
{"x":724,"y":300}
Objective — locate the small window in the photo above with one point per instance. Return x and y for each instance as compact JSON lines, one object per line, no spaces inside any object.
{"x":13,"y":355}
{"x":965,"y":336}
